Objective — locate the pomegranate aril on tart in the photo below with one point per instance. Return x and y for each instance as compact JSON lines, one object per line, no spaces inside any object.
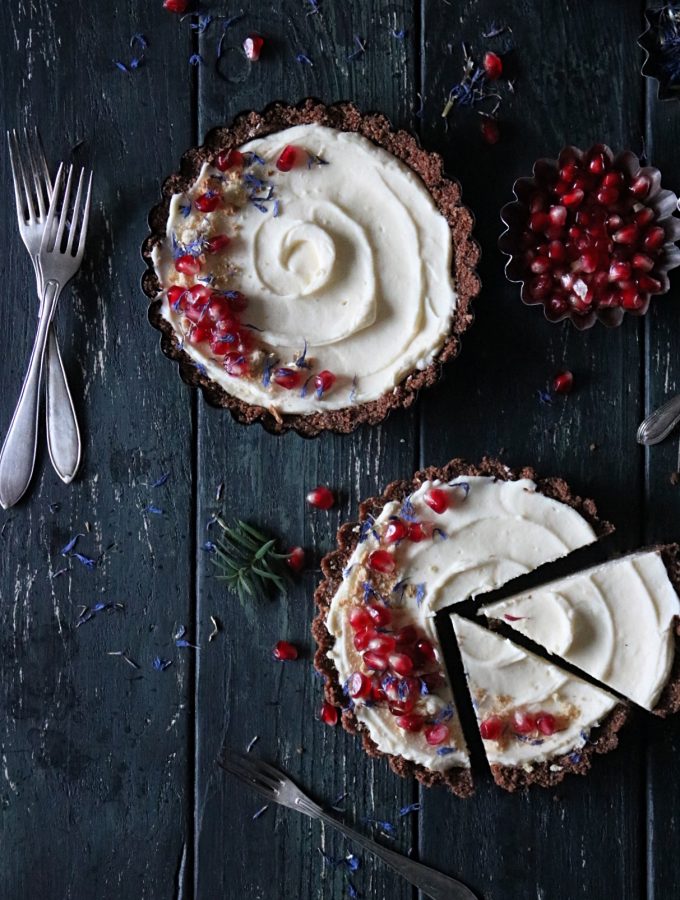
{"x":383,"y":643}
{"x":207,"y":202}
{"x":321,"y":497}
{"x":229,"y":159}
{"x":380,"y":615}
{"x":411,"y":722}
{"x":493,"y":66}
{"x":177,"y":296}
{"x":401,"y":663}
{"x":199,"y":334}
{"x":374,"y":660}
{"x":284,"y":650}
{"x":287,"y":158}
{"x":323,"y":382}
{"x":418,"y":532}
{"x":363,"y":637}
{"x":217,"y":243}
{"x":381,"y":561}
{"x":359,"y":618}
{"x":359,"y":686}
{"x":396,"y":531}
{"x":236,"y":364}
{"x":436,"y":734}
{"x":296,"y":559}
{"x":425,"y":650}
{"x":546,"y":723}
{"x":406,"y":636}
{"x":188,"y":264}
{"x":437,"y":499}
{"x":329,"y":713}
{"x":287,"y":378}
{"x":252,"y":46}
{"x":523,"y":722}
{"x":491,"y":729}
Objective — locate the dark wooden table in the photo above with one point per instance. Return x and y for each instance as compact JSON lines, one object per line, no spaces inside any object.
{"x":108,"y":783}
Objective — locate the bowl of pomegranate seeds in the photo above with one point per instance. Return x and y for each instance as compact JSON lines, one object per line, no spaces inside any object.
{"x":591,"y":236}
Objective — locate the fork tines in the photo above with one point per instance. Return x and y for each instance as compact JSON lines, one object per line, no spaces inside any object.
{"x":32,"y":185}
{"x":259,"y":775}
{"x":60,"y":234}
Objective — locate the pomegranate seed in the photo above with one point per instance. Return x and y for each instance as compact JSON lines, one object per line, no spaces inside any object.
{"x":539,"y":221}
{"x":436,"y":734}
{"x":329,"y":714}
{"x":642,"y":262}
{"x":640,"y":186}
{"x":236,"y":364}
{"x":207,"y":202}
{"x":523,"y":722}
{"x":363,"y":637}
{"x":199,"y":334}
{"x":425,"y":649}
{"x":626,"y":235}
{"x":374,"y":660}
{"x":359,"y":685}
{"x":402,"y":707}
{"x":323,"y":382}
{"x":597,"y":164}
{"x":588,"y":261}
{"x":396,"y":531}
{"x":252,"y":47}
{"x":556,"y":306}
{"x":236,"y":300}
{"x":229,"y":159}
{"x":631,"y":299}
{"x":383,"y":643}
{"x":644,"y":216}
{"x":401,"y":663}
{"x":437,"y":499}
{"x":188,"y":265}
{"x":573,"y":198}
{"x":377,"y":693}
{"x":296,"y":559}
{"x":417,"y":532}
{"x":217,"y":243}
{"x":491,"y":133}
{"x":380,"y":615}
{"x":284,"y":650}
{"x":546,"y":724}
{"x":563,"y":382}
{"x":493,"y":66}
{"x":177,"y":296}
{"x":619,"y":271}
{"x":287,"y":158}
{"x":286,"y":378}
{"x":540,"y":287}
{"x":406,"y":636}
{"x":381,"y":561}
{"x":492,"y":728}
{"x":540,"y":265}
{"x":321,"y":497}
{"x":607,"y":196}
{"x":176,"y":6}
{"x":612,"y":180}
{"x":558,"y":215}
{"x":557,"y":251}
{"x":649,"y":285}
{"x":411,"y":722}
{"x":359,"y":618}
{"x":433,"y":680}
{"x":654,"y":238}
{"x":568,"y":172}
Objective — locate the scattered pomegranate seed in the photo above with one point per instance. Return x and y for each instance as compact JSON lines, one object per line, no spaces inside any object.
{"x":437,"y":499}
{"x":492,"y":728}
{"x":563,"y":382}
{"x":252,"y":47}
{"x":207,"y":202}
{"x":411,"y":722}
{"x":329,"y":714}
{"x":523,"y":722}
{"x":287,"y":378}
{"x":321,"y":497}
{"x":396,"y":531}
{"x":287,"y":158}
{"x":359,"y":686}
{"x":229,"y":159}
{"x":296,"y":559}
{"x":359,"y":618}
{"x":493,"y":66}
{"x":375,"y":660}
{"x":188,"y":265}
{"x":284,"y":650}
{"x":401,"y":663}
{"x":380,"y":615}
{"x":491,"y":133}
{"x":436,"y":734}
{"x":217,"y":243}
{"x":323,"y":382}
{"x":176,"y":6}
{"x":546,"y":723}
{"x":381,"y":561}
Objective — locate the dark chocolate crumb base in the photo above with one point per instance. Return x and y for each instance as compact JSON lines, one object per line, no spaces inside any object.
{"x":669,"y":701}
{"x":445,"y":193}
{"x":576,"y":762}
{"x":333,"y":564}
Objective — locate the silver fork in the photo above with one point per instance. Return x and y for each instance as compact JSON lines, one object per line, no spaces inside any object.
{"x":276,"y":787}
{"x":59,"y":259}
{"x":32,"y":192}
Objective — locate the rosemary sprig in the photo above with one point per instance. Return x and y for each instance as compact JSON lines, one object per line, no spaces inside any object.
{"x":247,"y":560}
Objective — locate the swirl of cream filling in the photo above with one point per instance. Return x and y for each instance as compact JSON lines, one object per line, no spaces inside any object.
{"x":351,"y":257}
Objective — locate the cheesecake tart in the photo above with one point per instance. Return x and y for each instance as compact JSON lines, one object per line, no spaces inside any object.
{"x":618,"y":622}
{"x":432,"y":542}
{"x":538,"y":723}
{"x":310,"y":268}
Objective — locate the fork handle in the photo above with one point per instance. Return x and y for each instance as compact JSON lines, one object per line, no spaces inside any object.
{"x":432,"y":883}
{"x":17,"y":457}
{"x":63,"y":434}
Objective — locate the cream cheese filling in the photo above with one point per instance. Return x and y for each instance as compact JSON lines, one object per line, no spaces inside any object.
{"x":614,"y":621}
{"x":350,"y":259}
{"x":503,"y":677}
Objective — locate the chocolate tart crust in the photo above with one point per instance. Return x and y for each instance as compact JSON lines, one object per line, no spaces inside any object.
{"x":576,"y":762}
{"x":458,"y":780}
{"x":446,"y":194}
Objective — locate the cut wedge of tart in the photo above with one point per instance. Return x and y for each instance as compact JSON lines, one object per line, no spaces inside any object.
{"x":446,"y":535}
{"x":617,"y":622}
{"x":538,"y":723}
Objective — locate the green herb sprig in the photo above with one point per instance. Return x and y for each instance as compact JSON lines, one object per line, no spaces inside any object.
{"x":247,"y":560}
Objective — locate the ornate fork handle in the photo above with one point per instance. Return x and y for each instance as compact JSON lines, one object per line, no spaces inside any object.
{"x":434,"y":884}
{"x":17,"y":458}
{"x":659,"y":424}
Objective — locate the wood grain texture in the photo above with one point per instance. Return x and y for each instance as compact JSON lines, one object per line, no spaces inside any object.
{"x":93,"y":777}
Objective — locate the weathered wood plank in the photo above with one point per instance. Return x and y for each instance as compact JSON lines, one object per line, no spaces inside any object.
{"x":93,"y":780}
{"x":241,"y":692}
{"x":576,"y":85}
